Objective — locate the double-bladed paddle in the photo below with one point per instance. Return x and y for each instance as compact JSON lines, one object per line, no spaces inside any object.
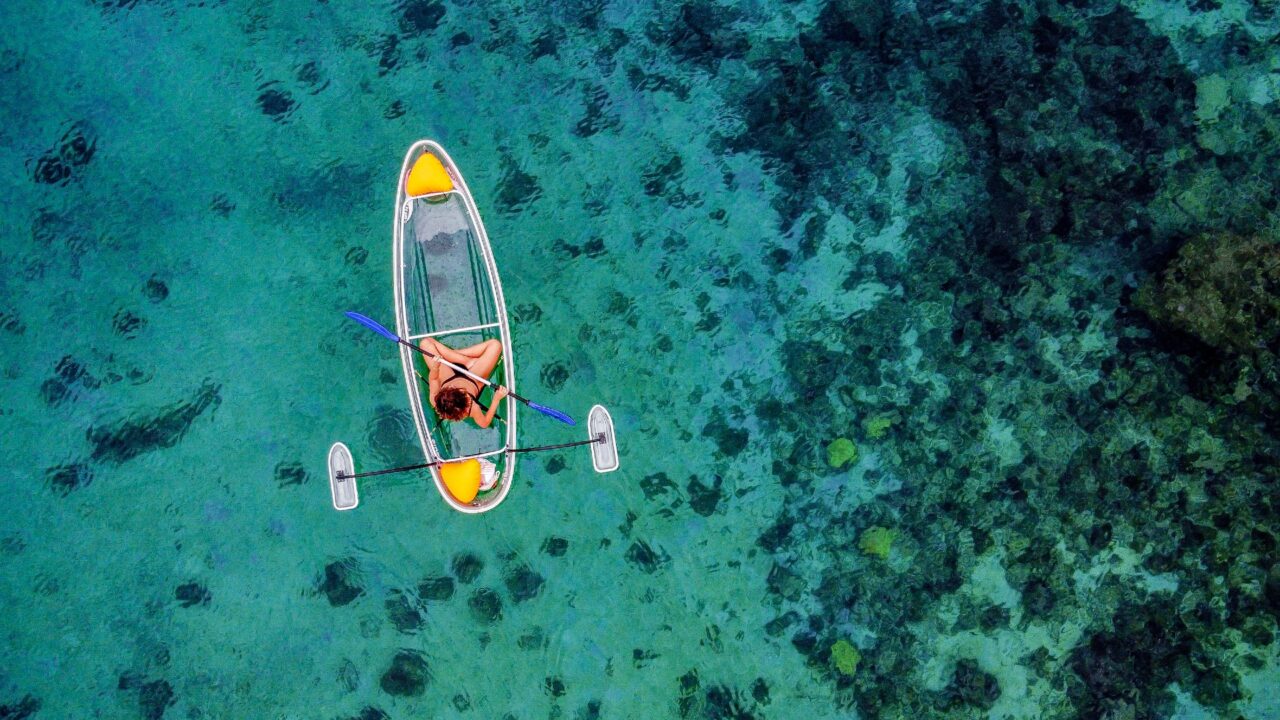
{"x":375,"y":326}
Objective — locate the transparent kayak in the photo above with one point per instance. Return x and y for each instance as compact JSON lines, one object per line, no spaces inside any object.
{"x":446,"y":286}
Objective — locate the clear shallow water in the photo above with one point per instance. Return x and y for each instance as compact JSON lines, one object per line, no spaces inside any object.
{"x":750,"y":232}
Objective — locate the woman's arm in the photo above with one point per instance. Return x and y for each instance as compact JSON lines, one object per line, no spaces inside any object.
{"x":486,"y":419}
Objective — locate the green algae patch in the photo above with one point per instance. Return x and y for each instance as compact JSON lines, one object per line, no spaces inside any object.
{"x":877,"y":541}
{"x":876,"y":427}
{"x":1213,"y":95}
{"x":846,"y":657}
{"x":841,"y":452}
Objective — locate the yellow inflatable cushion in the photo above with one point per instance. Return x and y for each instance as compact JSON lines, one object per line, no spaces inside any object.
{"x":427,"y":176}
{"x":462,"y":479}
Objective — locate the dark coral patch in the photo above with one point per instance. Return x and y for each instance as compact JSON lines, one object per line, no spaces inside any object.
{"x":222,"y":205}
{"x":127,"y":324}
{"x":592,"y":248}
{"x":776,"y":534}
{"x":402,"y":612}
{"x":68,"y":374}
{"x":348,"y":675}
{"x":555,"y":546}
{"x":67,"y":478}
{"x":970,"y":687}
{"x":155,"y":289}
{"x":467,"y":567}
{"x":420,"y":16}
{"x":644,"y":557}
{"x":408,"y":675}
{"x":340,"y":582}
{"x":547,"y":43}
{"x":729,"y":440}
{"x":310,"y":75}
{"x":517,"y":189}
{"x":554,"y":376}
{"x":154,"y":698}
{"x":436,"y":589}
{"x":555,"y":464}
{"x":291,"y":472}
{"x":657,"y":484}
{"x":523,"y":583}
{"x":147,"y":432}
{"x":395,"y":110}
{"x":663,"y":177}
{"x":392,"y":437}
{"x":486,"y":606}
{"x":704,"y":498}
{"x":356,"y":256}
{"x":192,"y":594}
{"x":275,"y":103}
{"x":654,"y":82}
{"x":388,"y":52}
{"x":11,"y":323}
{"x":554,"y":686}
{"x":74,"y":150}
{"x":596,"y":113}
{"x":22,"y":709}
{"x":702,"y":32}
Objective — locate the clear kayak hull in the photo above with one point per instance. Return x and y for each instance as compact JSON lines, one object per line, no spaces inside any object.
{"x":446,"y":286}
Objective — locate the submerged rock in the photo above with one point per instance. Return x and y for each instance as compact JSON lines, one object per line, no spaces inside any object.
{"x":340,"y":582}
{"x":22,"y":709}
{"x":402,"y":612}
{"x":1222,"y":289}
{"x":436,"y":589}
{"x":486,"y":606}
{"x":467,"y":567}
{"x":154,"y":698}
{"x":523,"y":583}
{"x":192,"y":594}
{"x":407,"y":676}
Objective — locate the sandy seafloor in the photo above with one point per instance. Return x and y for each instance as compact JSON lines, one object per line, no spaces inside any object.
{"x":750,"y":230}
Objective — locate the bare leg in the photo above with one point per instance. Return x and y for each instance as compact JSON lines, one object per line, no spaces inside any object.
{"x":488,"y":359}
{"x":479,"y":349}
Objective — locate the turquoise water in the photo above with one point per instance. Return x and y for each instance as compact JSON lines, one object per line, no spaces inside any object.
{"x":856,"y":280}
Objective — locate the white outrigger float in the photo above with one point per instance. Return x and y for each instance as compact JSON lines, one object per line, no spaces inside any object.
{"x":446,"y":286}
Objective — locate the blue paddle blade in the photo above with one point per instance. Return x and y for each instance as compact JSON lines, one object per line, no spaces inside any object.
{"x":553,"y":413}
{"x":372,"y":325}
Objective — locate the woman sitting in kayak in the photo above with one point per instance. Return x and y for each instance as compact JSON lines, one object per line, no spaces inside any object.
{"x":454,"y":395}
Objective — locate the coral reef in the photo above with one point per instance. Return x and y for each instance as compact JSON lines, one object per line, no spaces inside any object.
{"x":877,"y":541}
{"x":845,"y":657}
{"x":1222,"y":289}
{"x":841,"y":452}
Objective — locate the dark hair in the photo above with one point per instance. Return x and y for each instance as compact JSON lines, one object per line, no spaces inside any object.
{"x":453,"y":403}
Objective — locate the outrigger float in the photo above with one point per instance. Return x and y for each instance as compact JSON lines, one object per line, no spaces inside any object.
{"x":446,"y":286}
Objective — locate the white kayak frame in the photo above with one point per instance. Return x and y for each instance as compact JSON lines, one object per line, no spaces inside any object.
{"x":407,"y":356}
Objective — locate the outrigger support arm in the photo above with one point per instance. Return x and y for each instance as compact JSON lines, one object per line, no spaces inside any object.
{"x":343,"y":476}
{"x":371,"y":473}
{"x":599,"y":438}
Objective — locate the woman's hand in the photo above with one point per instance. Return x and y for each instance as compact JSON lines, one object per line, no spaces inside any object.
{"x":485,"y":420}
